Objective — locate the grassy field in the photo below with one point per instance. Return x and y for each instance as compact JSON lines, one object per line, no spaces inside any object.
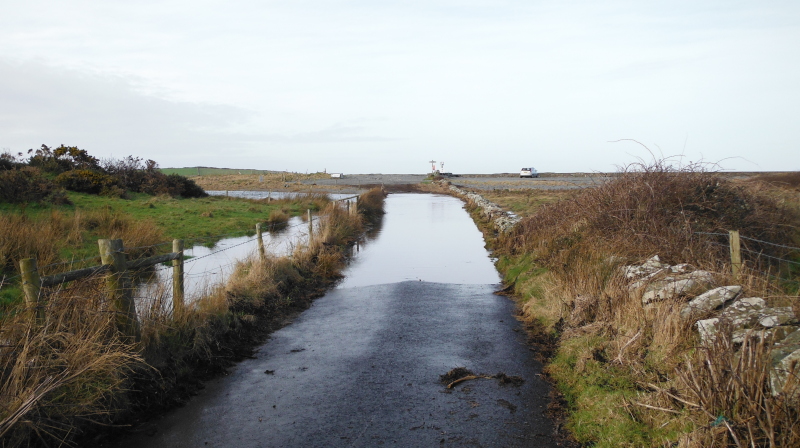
{"x":61,"y":233}
{"x":175,"y":218}
{"x":525,"y":202}
{"x":76,"y":371}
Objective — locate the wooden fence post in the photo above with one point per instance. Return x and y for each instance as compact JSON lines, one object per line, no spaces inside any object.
{"x":736,"y":252}
{"x":261,"y":253}
{"x":32,"y":285}
{"x":310,"y":226}
{"x":177,"y":279}
{"x":111,"y":253}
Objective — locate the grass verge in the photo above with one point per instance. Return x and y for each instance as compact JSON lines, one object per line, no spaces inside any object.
{"x":67,"y":376}
{"x":637,"y":377}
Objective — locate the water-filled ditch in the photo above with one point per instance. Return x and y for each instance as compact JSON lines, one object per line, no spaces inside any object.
{"x":424,"y":237}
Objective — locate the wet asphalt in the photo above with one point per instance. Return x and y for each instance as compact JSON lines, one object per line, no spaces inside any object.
{"x":362,"y":366}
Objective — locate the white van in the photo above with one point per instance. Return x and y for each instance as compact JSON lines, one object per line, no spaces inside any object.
{"x":528,"y":172}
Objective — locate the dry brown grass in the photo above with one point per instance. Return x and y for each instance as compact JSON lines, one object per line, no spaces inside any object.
{"x":656,"y":210}
{"x":58,"y":376}
{"x":525,"y":202}
{"x":575,"y":248}
{"x":60,"y":373}
{"x":732,"y":389}
{"x":370,"y":204}
{"x":788,"y":180}
{"x":45,"y":238}
{"x":272,"y":181}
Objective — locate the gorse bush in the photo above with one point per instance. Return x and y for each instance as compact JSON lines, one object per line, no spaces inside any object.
{"x":61,"y":159}
{"x":25,"y":184}
{"x":85,"y":181}
{"x":9,"y":161}
{"x":75,"y":170}
{"x":137,"y":175}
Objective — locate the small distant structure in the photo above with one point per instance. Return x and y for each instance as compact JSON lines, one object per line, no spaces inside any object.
{"x":337,"y":175}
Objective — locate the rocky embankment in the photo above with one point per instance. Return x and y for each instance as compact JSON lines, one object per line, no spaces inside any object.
{"x":722,"y":311}
{"x":501,"y":220}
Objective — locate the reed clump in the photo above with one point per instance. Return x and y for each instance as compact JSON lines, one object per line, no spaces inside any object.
{"x":634,"y":376}
{"x":277,"y":219}
{"x":64,"y":371}
{"x":370,"y":204}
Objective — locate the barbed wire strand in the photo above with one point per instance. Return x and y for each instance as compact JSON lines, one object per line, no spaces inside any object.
{"x":94,"y":257}
{"x":750,"y":239}
{"x":761,"y":254}
{"x":771,"y":244}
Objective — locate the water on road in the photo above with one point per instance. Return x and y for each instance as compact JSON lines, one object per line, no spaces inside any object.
{"x":362,"y":366}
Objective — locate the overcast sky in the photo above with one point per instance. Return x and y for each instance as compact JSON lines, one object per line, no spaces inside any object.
{"x":385,"y":86}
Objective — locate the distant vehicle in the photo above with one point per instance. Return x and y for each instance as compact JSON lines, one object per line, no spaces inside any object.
{"x":528,"y":172}
{"x":337,"y":175}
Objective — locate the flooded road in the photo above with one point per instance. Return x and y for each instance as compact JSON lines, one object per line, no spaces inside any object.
{"x":362,"y":366}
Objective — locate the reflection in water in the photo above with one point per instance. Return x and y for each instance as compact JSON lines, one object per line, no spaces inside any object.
{"x":209,"y":267}
{"x":423,"y":237}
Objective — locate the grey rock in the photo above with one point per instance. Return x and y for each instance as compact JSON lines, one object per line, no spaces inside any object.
{"x":785,"y":359}
{"x":502,"y":221}
{"x":770,"y":334}
{"x":673,"y":286}
{"x":707,"y":329}
{"x":647,"y":268}
{"x":710,"y":300}
{"x":744,"y":312}
{"x":773,"y":317}
{"x":682,"y":268}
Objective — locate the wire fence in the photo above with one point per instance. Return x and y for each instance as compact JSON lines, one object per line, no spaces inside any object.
{"x":8,"y":280}
{"x":765,"y":257}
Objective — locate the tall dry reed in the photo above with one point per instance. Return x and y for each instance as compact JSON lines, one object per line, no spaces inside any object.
{"x":60,"y":373}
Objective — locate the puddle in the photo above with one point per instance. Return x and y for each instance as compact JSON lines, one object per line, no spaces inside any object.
{"x":211,"y":266}
{"x":424,"y":237}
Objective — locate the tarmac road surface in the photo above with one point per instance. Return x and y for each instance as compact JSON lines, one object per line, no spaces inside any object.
{"x":362,"y":366}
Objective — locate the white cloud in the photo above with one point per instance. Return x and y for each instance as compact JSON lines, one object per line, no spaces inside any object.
{"x":386,"y":86}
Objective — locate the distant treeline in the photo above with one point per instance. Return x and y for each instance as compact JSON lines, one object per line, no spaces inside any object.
{"x":44,"y":174}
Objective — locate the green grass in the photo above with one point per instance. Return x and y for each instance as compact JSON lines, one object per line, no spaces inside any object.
{"x":599,"y":394}
{"x":208,"y":218}
{"x":190,"y":218}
